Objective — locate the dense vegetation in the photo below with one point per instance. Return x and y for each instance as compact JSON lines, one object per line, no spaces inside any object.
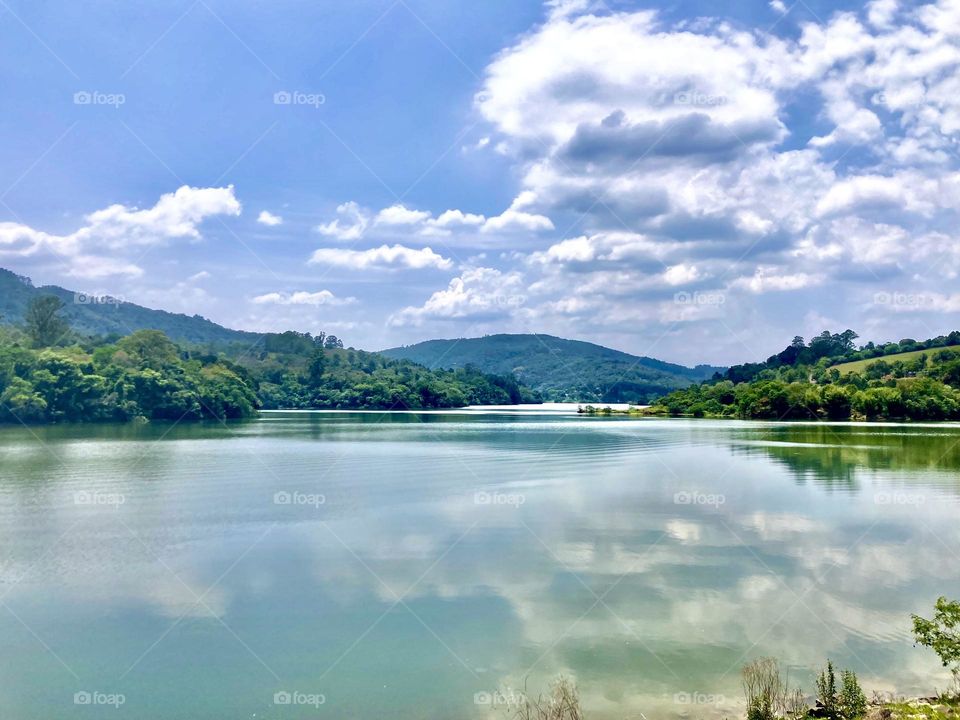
{"x":103,"y":316}
{"x":143,"y":375}
{"x":294,"y":370}
{"x":51,"y":373}
{"x":801,"y":383}
{"x":559,"y":369}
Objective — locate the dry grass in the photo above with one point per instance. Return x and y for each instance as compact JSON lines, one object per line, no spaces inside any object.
{"x":562,"y":703}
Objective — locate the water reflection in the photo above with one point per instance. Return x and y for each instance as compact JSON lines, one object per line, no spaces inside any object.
{"x":649,"y":559}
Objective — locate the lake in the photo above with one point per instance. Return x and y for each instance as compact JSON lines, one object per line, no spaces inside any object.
{"x":432,"y":565}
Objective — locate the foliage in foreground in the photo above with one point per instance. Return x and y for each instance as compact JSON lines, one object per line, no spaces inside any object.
{"x":942,"y":634}
{"x":562,"y":703}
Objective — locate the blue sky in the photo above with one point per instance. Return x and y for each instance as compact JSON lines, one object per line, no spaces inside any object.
{"x":692,"y":180}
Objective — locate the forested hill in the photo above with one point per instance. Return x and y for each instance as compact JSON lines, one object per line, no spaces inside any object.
{"x":559,"y":369}
{"x":104,"y":315}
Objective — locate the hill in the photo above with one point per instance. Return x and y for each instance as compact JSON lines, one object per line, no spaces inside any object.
{"x":559,"y":369}
{"x":828,"y":379}
{"x":105,"y":316}
{"x":862,"y":365}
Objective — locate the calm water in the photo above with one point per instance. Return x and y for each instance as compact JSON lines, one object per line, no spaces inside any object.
{"x":415,"y":565}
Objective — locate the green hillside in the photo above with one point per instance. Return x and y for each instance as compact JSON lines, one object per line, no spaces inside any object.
{"x":861,"y":365}
{"x":105,"y":316}
{"x":559,"y":369}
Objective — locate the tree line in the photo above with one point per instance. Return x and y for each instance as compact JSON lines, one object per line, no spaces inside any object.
{"x":49,"y":373}
{"x":800,"y":383}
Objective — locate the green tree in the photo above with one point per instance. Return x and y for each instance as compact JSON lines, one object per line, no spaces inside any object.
{"x":827,"y":692}
{"x":316,"y":367}
{"x":852,"y":702}
{"x":44,"y":324}
{"x":941,"y":633}
{"x":150,"y":349}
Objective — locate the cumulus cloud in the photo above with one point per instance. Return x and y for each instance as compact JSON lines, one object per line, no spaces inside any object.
{"x":322,"y":297}
{"x":385,"y":256}
{"x":269,"y":219}
{"x":355,"y":222}
{"x":767,"y":279}
{"x":119,"y":228}
{"x":478,"y":294}
{"x":350,"y":223}
{"x":678,"y":153}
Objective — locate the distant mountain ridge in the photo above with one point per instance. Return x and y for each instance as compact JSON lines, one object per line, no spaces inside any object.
{"x":106,"y":315}
{"x":560,"y":369}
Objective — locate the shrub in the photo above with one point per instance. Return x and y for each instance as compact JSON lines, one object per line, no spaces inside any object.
{"x":827,"y":692}
{"x":852,"y":702}
{"x":942,"y":633}
{"x":563,"y":703}
{"x":764,"y":689}
{"x":847,"y":703}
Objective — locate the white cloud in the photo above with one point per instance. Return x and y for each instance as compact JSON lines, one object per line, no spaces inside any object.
{"x":269,"y":219}
{"x":323,"y":297}
{"x":350,"y":224}
{"x":479,"y":293}
{"x":385,"y":256}
{"x":681,"y":274}
{"x":880,"y":13}
{"x":767,"y":280}
{"x":355,"y":222}
{"x":119,"y":228}
{"x":401,"y":215}
{"x":452,"y":218}
{"x":514,"y":220}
